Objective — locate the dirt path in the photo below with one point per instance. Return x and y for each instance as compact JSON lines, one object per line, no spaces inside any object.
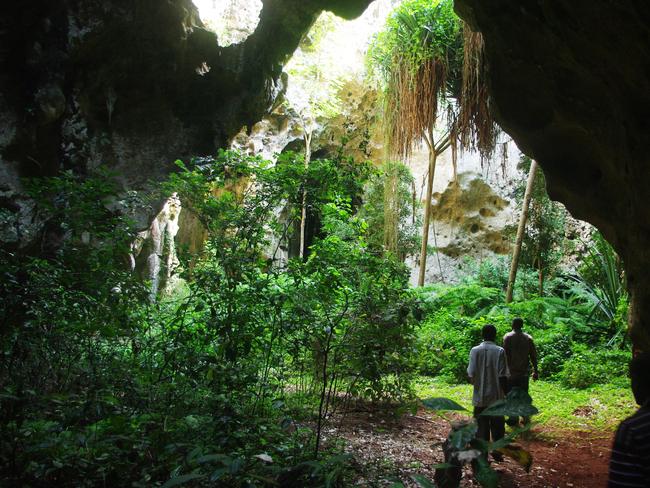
{"x":387,"y":450}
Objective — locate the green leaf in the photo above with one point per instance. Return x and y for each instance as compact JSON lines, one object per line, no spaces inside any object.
{"x":209,"y":458}
{"x":518,"y":403}
{"x":236,"y":465}
{"x":179,"y":480}
{"x":442,"y":404}
{"x":218,"y":473}
{"x":485,"y":475}
{"x":505,"y":441}
{"x":460,"y":437}
{"x":423,"y":482}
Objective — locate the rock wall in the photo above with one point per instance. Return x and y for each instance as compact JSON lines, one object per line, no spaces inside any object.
{"x":470,"y":209}
{"x":569,"y":81}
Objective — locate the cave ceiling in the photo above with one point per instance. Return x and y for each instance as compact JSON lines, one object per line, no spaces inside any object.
{"x":135,"y":84}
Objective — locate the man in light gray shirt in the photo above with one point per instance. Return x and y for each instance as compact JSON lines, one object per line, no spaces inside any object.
{"x":487,"y":372}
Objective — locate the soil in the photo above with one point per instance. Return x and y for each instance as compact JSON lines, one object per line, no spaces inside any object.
{"x":387,"y":449}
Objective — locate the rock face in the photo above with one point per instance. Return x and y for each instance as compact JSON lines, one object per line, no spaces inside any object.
{"x":131,"y":85}
{"x":471,"y":211}
{"x":569,"y":81}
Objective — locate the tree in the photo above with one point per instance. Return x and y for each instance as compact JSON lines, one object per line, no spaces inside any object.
{"x":311,"y":96}
{"x":390,"y":213}
{"x":540,"y":237}
{"x":520,"y":231}
{"x":430,"y":67}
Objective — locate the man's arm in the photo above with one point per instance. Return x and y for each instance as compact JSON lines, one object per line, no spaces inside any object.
{"x":471,"y":368}
{"x":532,"y":351}
{"x":507,"y":347}
{"x":502,"y":371}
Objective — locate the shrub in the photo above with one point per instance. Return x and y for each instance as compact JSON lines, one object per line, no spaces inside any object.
{"x":588,"y":367}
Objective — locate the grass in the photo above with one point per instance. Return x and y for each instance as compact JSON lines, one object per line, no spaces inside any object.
{"x":598,"y":408}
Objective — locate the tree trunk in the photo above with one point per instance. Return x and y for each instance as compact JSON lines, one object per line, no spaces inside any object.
{"x":540,"y":274}
{"x":303,"y":212}
{"x":427,"y":213}
{"x":520,"y":231}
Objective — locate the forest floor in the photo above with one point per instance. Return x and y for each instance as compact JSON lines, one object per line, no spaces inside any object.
{"x":387,"y":449}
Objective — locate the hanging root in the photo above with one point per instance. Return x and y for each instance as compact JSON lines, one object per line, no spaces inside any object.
{"x":476,"y":127}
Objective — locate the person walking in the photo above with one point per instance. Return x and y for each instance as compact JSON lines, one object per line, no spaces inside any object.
{"x":520,"y":355}
{"x":629,"y":465}
{"x":487,"y":372}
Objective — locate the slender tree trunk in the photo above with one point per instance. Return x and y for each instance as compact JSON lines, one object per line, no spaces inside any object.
{"x":427,"y":213}
{"x":520,"y":231}
{"x":413,"y":208}
{"x":303,"y":213}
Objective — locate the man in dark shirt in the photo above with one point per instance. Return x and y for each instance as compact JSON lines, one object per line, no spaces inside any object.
{"x":520,"y":354}
{"x":629,"y":466}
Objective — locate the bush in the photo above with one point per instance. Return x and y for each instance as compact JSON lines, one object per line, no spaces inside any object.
{"x":559,"y":326}
{"x":588,"y":367}
{"x":553,"y":349}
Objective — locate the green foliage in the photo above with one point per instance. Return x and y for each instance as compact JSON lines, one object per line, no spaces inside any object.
{"x":100,"y":386}
{"x":463,"y":445}
{"x":573,"y":343}
{"x":325,"y":180}
{"x":389,"y":210}
{"x":602,"y":278}
{"x":490,"y":273}
{"x":518,"y":403}
{"x":417,"y":61}
{"x":417,"y":30}
{"x":600,"y":407}
{"x":544,"y":243}
{"x":587,"y":367}
{"x":442,"y":404}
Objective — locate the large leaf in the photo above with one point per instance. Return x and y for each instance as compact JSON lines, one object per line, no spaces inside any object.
{"x":423,"y":482}
{"x":214,"y":458}
{"x":460,"y":437}
{"x":506,"y":440}
{"x":180,"y":480}
{"x":518,"y":403}
{"x":442,"y":404}
{"x":484,"y":474}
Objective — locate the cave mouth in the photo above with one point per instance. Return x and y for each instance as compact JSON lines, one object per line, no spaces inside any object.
{"x":232,"y":20}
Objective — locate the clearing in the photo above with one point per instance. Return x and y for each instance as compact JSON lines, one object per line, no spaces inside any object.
{"x":570,"y":442}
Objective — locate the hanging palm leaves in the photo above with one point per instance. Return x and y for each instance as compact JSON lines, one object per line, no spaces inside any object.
{"x":417,"y":61}
{"x":425,"y":60}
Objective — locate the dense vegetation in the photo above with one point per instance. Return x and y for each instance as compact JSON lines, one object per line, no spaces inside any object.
{"x":579,"y":344}
{"x":233,"y":377}
{"x":100,"y":385}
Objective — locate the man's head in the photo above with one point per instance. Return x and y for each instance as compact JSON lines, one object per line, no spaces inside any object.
{"x":517,"y":323}
{"x":489,"y":332}
{"x":640,"y":376}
